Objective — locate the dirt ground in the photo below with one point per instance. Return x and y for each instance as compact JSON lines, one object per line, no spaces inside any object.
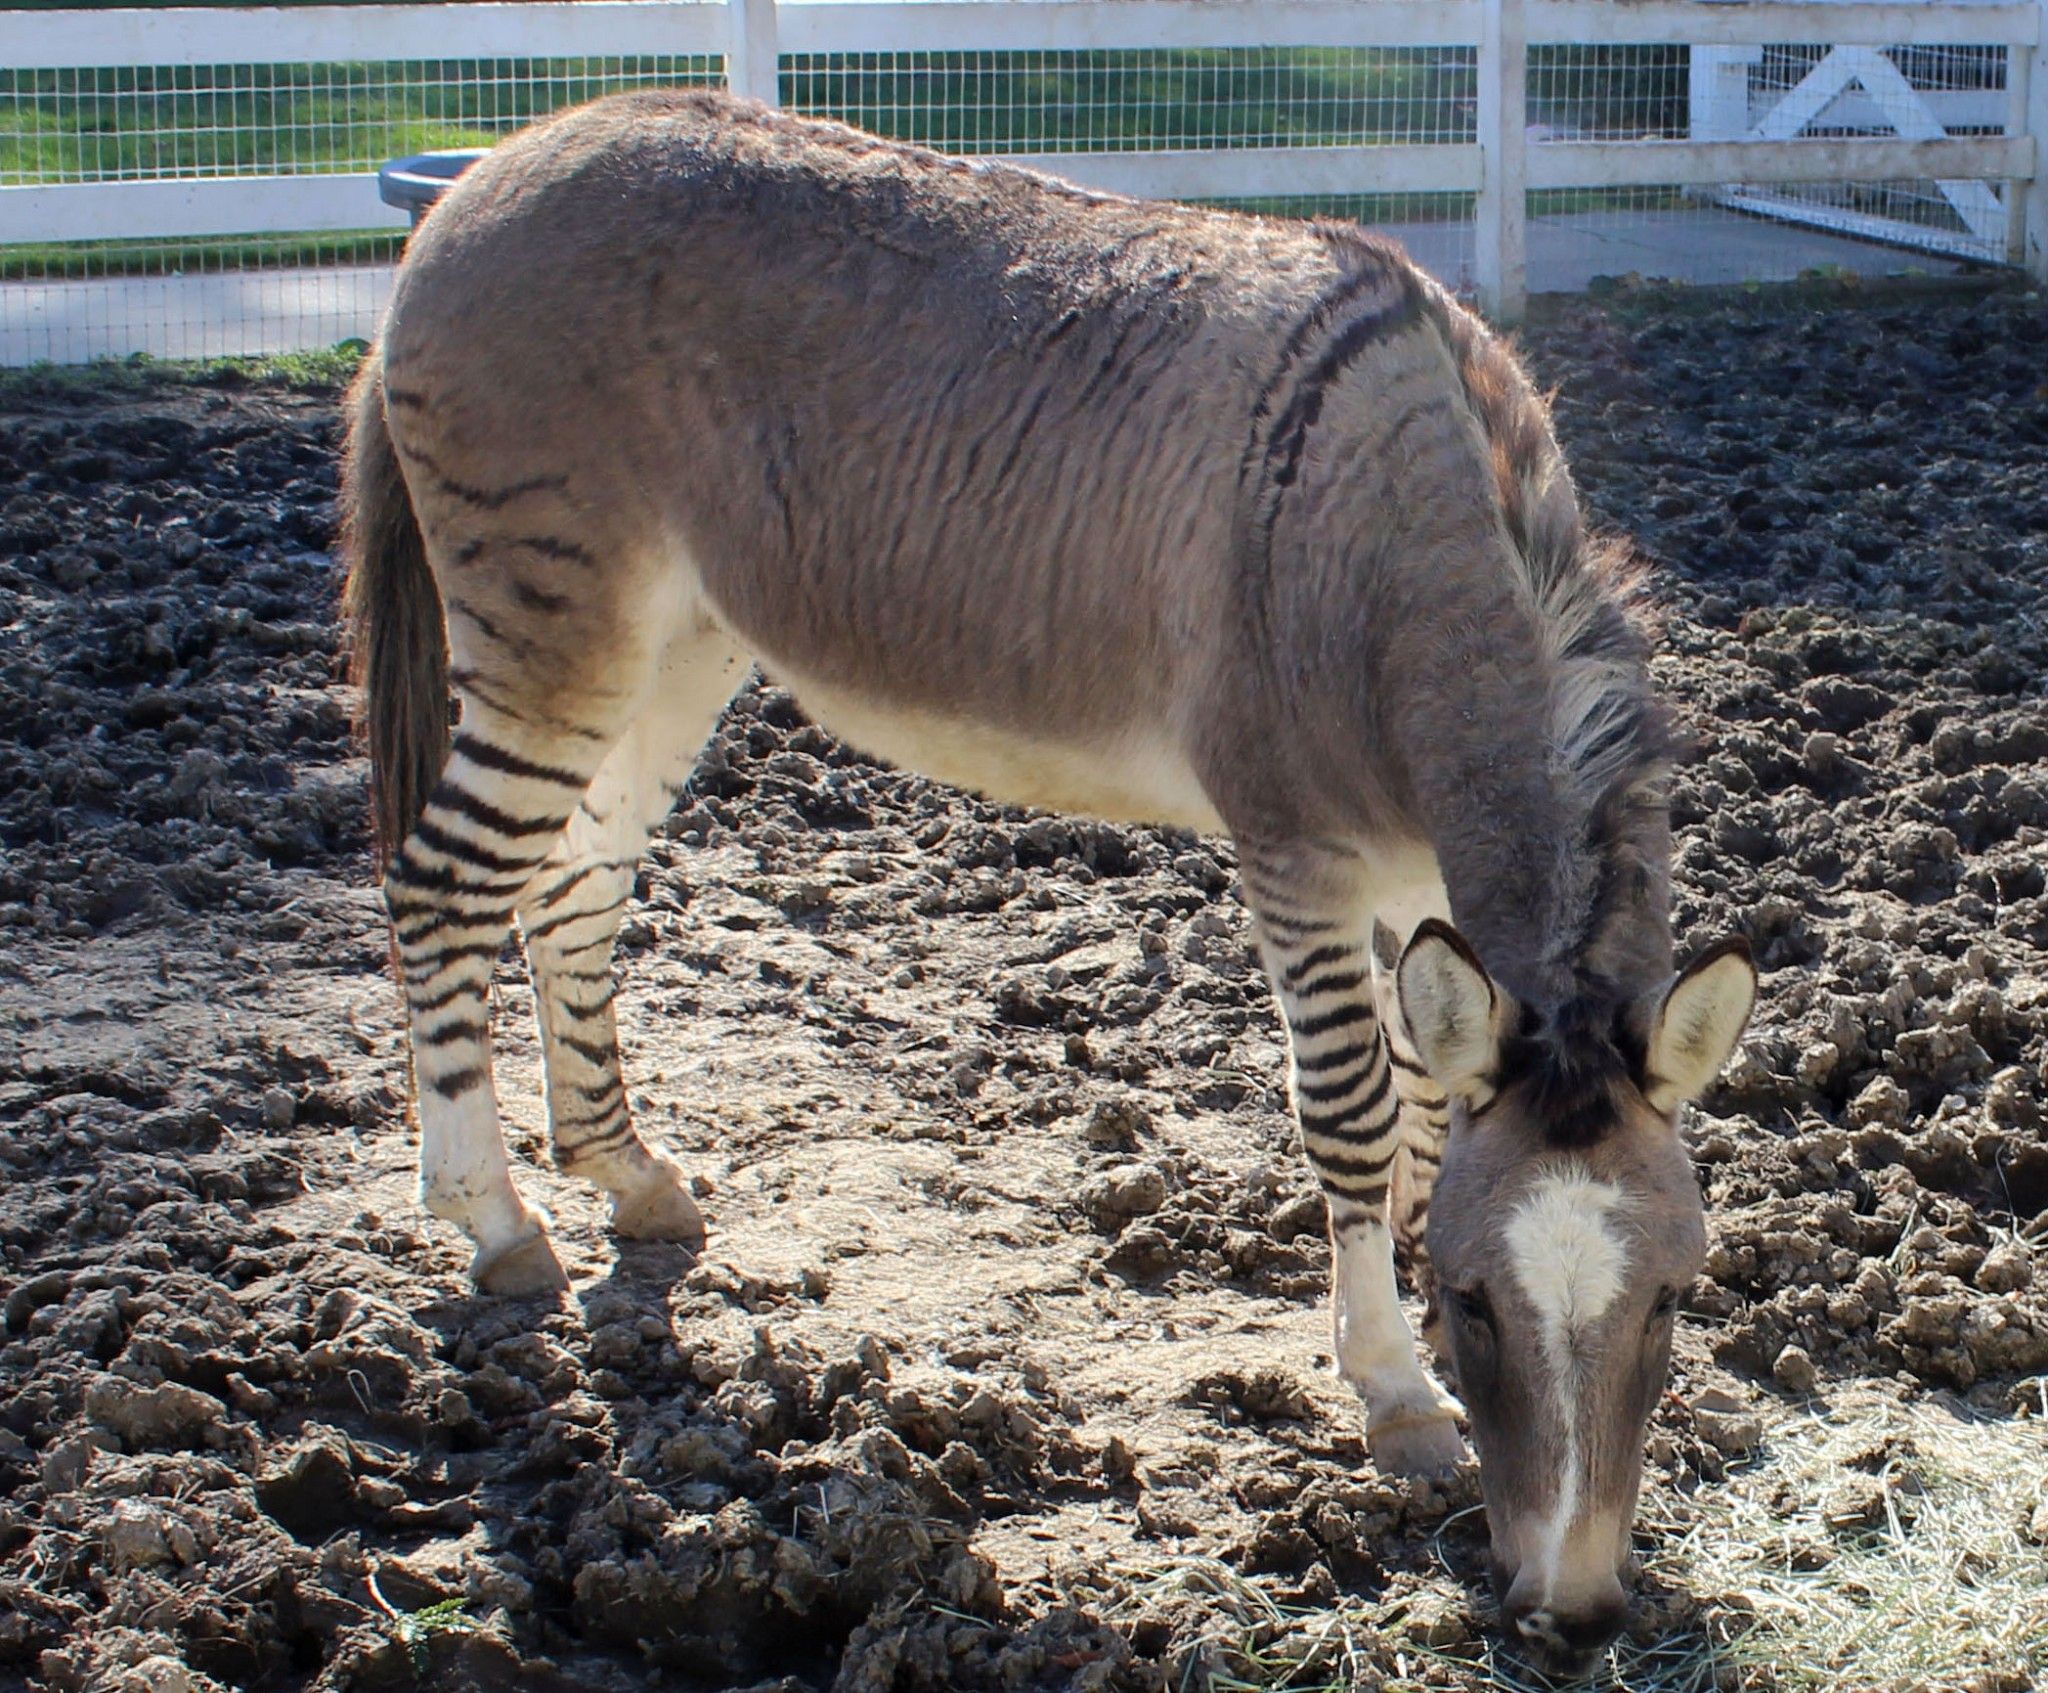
{"x":1007,"y":1366}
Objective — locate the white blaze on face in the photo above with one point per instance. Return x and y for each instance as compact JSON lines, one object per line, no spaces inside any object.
{"x":1571,"y":1262}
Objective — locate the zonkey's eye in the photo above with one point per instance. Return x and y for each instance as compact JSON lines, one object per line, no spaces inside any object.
{"x":1472,"y":1304}
{"x":1667,"y":1302}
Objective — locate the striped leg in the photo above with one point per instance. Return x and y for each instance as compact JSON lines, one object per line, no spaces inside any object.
{"x":570,"y":918}
{"x":1312,"y":905}
{"x":1425,"y":1120}
{"x":503,"y":798}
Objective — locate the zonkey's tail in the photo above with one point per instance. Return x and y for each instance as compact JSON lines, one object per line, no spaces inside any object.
{"x":397,"y":635}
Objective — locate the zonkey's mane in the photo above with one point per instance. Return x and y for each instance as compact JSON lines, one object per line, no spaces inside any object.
{"x":1610,"y":744}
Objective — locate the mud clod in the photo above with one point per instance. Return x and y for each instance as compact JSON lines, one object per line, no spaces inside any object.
{"x":169,"y":1415}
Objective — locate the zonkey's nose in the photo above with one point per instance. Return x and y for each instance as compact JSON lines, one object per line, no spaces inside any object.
{"x":1567,"y":1628}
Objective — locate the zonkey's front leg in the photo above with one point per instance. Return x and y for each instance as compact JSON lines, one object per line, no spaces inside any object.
{"x":1313,"y":922}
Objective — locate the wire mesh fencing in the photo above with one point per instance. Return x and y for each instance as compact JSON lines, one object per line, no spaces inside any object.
{"x":1083,"y":101}
{"x":1053,"y":103}
{"x":272,"y":291}
{"x":78,"y":301}
{"x":150,"y":123}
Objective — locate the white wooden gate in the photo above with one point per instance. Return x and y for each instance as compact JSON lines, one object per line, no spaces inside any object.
{"x":1864,"y":91}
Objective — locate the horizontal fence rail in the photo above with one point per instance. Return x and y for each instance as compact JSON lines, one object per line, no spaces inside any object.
{"x":284,"y":35}
{"x":260,"y":35}
{"x":1916,"y":124}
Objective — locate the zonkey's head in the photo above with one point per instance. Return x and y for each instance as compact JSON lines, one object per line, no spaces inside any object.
{"x":1566,"y":1226}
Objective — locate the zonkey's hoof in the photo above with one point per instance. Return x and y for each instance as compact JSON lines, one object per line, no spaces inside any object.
{"x":662,"y":1209}
{"x":1419,"y":1444}
{"x":526,"y":1269}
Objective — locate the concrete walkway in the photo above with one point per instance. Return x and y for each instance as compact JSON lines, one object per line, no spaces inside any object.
{"x":1705,"y":247}
{"x":190,"y":317}
{"x":277,"y":311}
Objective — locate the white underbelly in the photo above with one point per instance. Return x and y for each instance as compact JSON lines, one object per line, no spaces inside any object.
{"x":1135,"y":776}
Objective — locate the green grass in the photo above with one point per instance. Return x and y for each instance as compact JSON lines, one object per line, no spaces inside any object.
{"x":134,"y":122}
{"x":322,"y":370}
{"x":74,"y":260}
{"x":131,"y":122}
{"x":1157,"y":97}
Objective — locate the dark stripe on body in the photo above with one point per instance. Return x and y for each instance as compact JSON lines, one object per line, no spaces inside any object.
{"x":447,"y":1034}
{"x":495,"y":894}
{"x":517,"y":645}
{"x":598,"y":1093}
{"x":1346,"y":981}
{"x":595,"y":1009}
{"x":536,"y":598}
{"x":1349,"y":1169}
{"x":1342,"y":1058}
{"x":600,"y":1054}
{"x":1346,"y":288}
{"x":507,"y":763}
{"x":459,"y":1082}
{"x":486,"y":499}
{"x":1270,"y":467}
{"x":423,"y":969}
{"x":567,"y":1150}
{"x":1335,"y":953}
{"x":1286,"y":929}
{"x":540,"y":931}
{"x":413,"y":877}
{"x":1335,"y":1123}
{"x":1344,"y":1017}
{"x":1324,"y":1093}
{"x":468,"y":681}
{"x":460,"y":850}
{"x":1289,"y":437}
{"x":452,"y":796}
{"x":562,"y":889}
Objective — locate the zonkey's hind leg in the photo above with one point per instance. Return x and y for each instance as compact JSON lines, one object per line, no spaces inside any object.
{"x":570,"y":918}
{"x":505,"y":793}
{"x":1312,"y":905}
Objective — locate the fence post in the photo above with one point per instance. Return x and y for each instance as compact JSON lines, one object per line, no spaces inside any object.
{"x":753,"y":51}
{"x":1502,"y":210}
{"x":1717,"y":91}
{"x":2027,"y":82}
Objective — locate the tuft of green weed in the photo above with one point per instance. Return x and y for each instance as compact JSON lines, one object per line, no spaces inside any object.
{"x":417,"y":1630}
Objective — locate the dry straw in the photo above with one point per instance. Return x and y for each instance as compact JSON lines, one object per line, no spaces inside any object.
{"x":1874,"y":1545}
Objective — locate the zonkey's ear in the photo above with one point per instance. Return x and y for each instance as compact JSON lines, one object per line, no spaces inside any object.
{"x":1453,"y":1010}
{"x":1385,"y":959}
{"x":1386,"y":947}
{"x":1698,"y":1024}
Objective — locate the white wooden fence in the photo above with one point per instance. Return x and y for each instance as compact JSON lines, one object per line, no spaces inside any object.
{"x":1848,"y":122}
